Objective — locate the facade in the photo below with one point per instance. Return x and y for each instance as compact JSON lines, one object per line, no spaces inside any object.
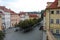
{"x":7,"y":19}
{"x":33,"y":16}
{"x":14,"y":18}
{"x":1,"y":23}
{"x":23,"y":16}
{"x":29,"y":15}
{"x":35,"y":13}
{"x":52,"y":18}
{"x":5,"y":14}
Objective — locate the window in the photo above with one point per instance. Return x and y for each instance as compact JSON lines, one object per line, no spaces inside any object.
{"x":1,"y":12}
{"x":57,"y":31}
{"x":51,"y":21}
{"x":57,"y":12}
{"x":51,"y":30}
{"x":52,"y":12}
{"x":57,"y":21}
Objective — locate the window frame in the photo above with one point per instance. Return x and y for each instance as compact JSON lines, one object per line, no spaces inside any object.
{"x":57,"y":31}
{"x":51,"y":21}
{"x":57,"y":21}
{"x":52,"y":12}
{"x":57,"y":12}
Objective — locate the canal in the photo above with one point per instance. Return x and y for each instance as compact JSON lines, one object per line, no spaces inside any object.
{"x":35,"y":34}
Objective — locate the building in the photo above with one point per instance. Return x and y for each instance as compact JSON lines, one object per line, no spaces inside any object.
{"x":1,"y":27}
{"x":29,"y":15}
{"x":14,"y":18}
{"x":5,"y":14}
{"x":52,"y":18}
{"x":35,"y":13}
{"x":23,"y":16}
{"x":33,"y":16}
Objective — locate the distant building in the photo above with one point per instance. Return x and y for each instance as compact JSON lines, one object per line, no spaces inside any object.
{"x":29,"y":15}
{"x":35,"y":13}
{"x":33,"y":16}
{"x":14,"y":18}
{"x":52,"y":17}
{"x":23,"y":16}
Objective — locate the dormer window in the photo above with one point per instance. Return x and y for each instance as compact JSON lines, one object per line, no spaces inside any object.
{"x":52,"y":12}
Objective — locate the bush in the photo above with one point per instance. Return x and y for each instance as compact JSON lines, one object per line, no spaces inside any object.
{"x":1,"y":35}
{"x":27,"y":23}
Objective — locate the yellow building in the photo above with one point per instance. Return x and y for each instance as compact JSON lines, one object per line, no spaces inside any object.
{"x":52,"y":18}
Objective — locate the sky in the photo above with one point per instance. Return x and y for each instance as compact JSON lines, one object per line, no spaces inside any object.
{"x":25,"y":5}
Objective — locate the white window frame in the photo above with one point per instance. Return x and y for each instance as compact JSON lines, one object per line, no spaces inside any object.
{"x":51,"y":21}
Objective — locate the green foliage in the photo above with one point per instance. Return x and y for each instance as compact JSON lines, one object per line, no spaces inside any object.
{"x":1,"y":35}
{"x":42,"y":14}
{"x":27,"y":23}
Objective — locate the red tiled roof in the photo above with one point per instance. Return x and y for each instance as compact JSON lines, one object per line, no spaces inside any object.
{"x":7,"y":10}
{"x":33,"y":15}
{"x":22,"y":13}
{"x":53,"y":5}
{"x":4,"y":8}
{"x":12,"y":12}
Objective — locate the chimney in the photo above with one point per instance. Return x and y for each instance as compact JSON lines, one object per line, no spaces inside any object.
{"x":49,"y":3}
{"x":58,"y":3}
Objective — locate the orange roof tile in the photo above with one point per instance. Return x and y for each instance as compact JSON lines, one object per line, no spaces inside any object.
{"x":7,"y":10}
{"x":4,"y":8}
{"x":53,"y":5}
{"x":12,"y":12}
{"x":33,"y":15}
{"x":22,"y":13}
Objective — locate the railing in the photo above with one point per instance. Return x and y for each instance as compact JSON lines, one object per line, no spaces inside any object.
{"x":50,"y":36}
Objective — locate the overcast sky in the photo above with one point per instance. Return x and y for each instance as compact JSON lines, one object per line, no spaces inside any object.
{"x":25,"y":5}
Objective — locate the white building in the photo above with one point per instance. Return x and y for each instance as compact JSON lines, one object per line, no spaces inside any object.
{"x":24,"y":16}
{"x":5,"y":17}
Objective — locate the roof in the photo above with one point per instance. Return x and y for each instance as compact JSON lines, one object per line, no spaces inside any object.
{"x":12,"y":12}
{"x":33,"y":15}
{"x":4,"y":8}
{"x":54,"y":5}
{"x":7,"y":10}
{"x":22,"y":13}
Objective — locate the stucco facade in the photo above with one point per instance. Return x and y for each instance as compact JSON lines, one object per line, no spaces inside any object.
{"x":5,"y":15}
{"x":53,"y":12}
{"x":0,"y":23}
{"x":14,"y":19}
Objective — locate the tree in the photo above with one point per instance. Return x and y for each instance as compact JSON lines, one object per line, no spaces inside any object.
{"x":42,"y":13}
{"x":1,"y":35}
{"x":27,"y":23}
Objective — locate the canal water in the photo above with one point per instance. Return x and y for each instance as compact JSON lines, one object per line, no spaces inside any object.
{"x":35,"y":34}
